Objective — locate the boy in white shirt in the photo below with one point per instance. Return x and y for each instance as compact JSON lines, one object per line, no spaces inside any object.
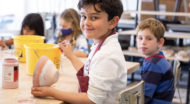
{"x":104,"y":74}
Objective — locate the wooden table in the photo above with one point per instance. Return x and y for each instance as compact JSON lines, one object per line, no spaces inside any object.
{"x":67,"y":82}
{"x":137,"y":54}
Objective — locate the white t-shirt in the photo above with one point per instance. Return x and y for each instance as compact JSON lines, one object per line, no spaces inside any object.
{"x":81,"y":44}
{"x":107,"y":72}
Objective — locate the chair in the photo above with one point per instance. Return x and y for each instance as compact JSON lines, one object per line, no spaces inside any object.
{"x":133,"y":94}
{"x":177,"y":73}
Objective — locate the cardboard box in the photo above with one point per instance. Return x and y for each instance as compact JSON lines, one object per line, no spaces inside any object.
{"x":147,"y":5}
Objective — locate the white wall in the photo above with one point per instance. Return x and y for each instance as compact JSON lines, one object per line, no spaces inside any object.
{"x":129,"y":4}
{"x":20,"y":8}
{"x":14,"y":7}
{"x":50,"y":6}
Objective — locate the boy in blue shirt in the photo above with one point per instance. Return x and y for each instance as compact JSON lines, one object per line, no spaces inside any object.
{"x":155,"y":71}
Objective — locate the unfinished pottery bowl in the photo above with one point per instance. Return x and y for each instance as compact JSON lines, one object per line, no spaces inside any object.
{"x":45,"y":72}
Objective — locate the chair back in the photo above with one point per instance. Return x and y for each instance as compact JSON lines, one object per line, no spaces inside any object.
{"x":176,"y":72}
{"x":133,"y":94}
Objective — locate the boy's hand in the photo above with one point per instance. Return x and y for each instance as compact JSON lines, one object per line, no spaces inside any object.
{"x":2,"y":43}
{"x":67,"y":49}
{"x":41,"y":91}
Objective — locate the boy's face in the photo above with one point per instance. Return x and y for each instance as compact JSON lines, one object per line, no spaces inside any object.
{"x":95,"y":25}
{"x":147,"y":43}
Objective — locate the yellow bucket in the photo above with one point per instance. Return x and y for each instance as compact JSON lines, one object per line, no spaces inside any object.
{"x":35,"y":51}
{"x":19,"y":42}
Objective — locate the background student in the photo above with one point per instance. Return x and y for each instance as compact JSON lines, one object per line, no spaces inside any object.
{"x":104,"y":75}
{"x":70,"y":31}
{"x":31,"y":25}
{"x":155,"y":71}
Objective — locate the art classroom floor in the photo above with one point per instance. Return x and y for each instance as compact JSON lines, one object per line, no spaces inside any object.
{"x":182,"y":84}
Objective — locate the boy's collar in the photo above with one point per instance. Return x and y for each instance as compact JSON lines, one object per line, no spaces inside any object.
{"x":160,"y":54}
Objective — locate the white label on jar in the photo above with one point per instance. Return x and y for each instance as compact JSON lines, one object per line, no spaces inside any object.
{"x":8,"y":73}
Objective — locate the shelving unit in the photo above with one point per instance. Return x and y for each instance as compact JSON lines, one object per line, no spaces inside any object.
{"x":158,"y":13}
{"x":140,"y":12}
{"x":180,"y":35}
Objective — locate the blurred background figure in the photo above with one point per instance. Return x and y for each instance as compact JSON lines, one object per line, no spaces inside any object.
{"x":70,"y":31}
{"x":31,"y":25}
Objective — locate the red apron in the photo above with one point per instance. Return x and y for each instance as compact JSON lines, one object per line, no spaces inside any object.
{"x":83,"y":80}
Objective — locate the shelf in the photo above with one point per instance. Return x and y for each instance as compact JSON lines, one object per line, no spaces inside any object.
{"x":126,"y":23}
{"x":179,"y":27}
{"x":179,"y":35}
{"x":159,"y":13}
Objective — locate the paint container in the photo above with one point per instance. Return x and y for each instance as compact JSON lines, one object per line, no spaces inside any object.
{"x":10,"y":73}
{"x":35,"y":50}
{"x":21,"y":40}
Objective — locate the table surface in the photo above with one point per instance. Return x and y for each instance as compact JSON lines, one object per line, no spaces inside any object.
{"x":137,"y":54}
{"x":67,"y":82}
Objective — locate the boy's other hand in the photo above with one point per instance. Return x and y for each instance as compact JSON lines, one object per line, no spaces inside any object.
{"x":41,"y":91}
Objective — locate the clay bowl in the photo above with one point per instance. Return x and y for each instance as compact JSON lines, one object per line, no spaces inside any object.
{"x":45,"y":72}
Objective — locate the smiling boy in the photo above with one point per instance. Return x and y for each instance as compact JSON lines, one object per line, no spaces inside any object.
{"x":104,"y":74}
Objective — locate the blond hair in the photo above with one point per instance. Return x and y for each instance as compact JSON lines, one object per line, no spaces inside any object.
{"x":155,"y":27}
{"x":73,"y":17}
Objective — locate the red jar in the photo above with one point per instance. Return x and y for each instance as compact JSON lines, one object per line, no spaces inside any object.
{"x":10,"y":73}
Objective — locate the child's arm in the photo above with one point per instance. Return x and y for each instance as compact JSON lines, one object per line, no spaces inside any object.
{"x":70,"y":97}
{"x":77,"y":64}
{"x":5,"y":43}
{"x":9,"y":42}
{"x":2,"y":43}
{"x":67,"y":50}
{"x":80,"y":53}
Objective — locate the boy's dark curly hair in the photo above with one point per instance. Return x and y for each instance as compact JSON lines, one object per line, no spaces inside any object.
{"x":111,"y":7}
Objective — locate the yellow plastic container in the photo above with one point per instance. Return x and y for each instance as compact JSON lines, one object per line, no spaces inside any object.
{"x":35,"y":51}
{"x":19,"y":42}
